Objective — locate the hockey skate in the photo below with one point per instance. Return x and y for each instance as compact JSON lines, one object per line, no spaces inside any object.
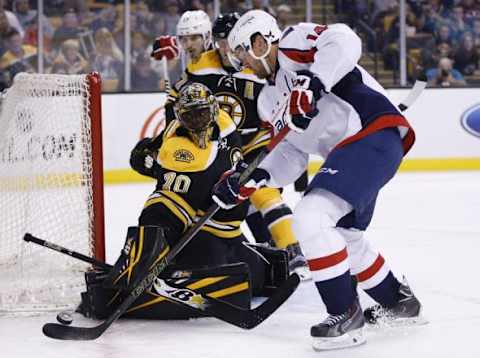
{"x":406,"y":312}
{"x":340,"y":331}
{"x":297,"y":262}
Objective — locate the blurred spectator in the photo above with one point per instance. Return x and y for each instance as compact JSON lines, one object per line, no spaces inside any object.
{"x":457,"y":23}
{"x":105,"y":18}
{"x":5,"y":27}
{"x":284,"y":16}
{"x":171,"y":17}
{"x":139,"y":45}
{"x":60,"y":7}
{"x":28,"y":19}
{"x":394,"y":29}
{"x":443,"y":34}
{"x":69,"y":61}
{"x":471,"y":9}
{"x":430,"y":57}
{"x":349,"y":11}
{"x":159,"y":27}
{"x":428,"y":18}
{"x":144,"y":78}
{"x":143,"y":17}
{"x":262,"y":5}
{"x":466,"y":56}
{"x":136,"y":25}
{"x":392,"y":37}
{"x":204,"y":5}
{"x":382,"y":8}
{"x":228,"y":6}
{"x":476,"y":33}
{"x":445,"y":75}
{"x":17,"y":57}
{"x":12,"y":18}
{"x":108,"y":60}
{"x":69,"y":29}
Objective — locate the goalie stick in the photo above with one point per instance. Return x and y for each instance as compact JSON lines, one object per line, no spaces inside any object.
{"x":243,"y":318}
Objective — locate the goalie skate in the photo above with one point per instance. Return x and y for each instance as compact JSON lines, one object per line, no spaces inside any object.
{"x":339,"y":331}
{"x":297,"y":262}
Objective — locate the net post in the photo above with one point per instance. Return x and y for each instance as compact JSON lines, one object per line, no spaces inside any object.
{"x":95,"y":108}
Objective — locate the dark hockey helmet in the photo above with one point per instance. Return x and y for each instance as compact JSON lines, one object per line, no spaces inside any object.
{"x":197,"y":110}
{"x":224,"y":24}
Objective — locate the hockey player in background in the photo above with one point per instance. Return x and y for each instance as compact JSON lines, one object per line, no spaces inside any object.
{"x":334,"y":109}
{"x":237,"y":93}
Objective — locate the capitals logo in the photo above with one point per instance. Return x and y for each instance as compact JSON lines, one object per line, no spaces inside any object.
{"x":471,"y":120}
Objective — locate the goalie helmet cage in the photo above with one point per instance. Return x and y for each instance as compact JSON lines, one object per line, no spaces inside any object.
{"x":51,"y":185}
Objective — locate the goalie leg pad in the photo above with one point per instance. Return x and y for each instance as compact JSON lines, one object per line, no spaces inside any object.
{"x":230,"y":283}
{"x":144,"y":246}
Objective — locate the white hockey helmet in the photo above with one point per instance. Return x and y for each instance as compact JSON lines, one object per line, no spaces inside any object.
{"x":251,"y":23}
{"x":196,"y":22}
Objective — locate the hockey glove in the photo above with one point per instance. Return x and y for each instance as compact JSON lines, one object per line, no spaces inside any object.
{"x":165,"y":46}
{"x":307,"y":90}
{"x":142,"y":159}
{"x":228,"y":192}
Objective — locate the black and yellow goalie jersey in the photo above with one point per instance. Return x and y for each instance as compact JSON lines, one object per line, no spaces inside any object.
{"x":187,"y":176}
{"x":236,"y":92}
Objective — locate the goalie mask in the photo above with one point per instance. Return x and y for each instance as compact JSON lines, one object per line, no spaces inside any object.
{"x":197,"y":110}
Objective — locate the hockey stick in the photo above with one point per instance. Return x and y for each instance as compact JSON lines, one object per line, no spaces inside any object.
{"x":166,"y":76}
{"x":30,"y":238}
{"x":89,"y":333}
{"x":240,"y":317}
{"x":418,"y":87}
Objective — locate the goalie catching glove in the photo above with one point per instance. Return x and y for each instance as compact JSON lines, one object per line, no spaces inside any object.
{"x":228,"y":192}
{"x":165,"y":46}
{"x":142,"y":158}
{"x":307,"y":90}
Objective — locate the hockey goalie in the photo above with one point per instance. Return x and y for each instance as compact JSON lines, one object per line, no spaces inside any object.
{"x":187,"y":160}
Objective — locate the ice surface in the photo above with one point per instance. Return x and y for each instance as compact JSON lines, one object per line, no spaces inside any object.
{"x":426,"y":225}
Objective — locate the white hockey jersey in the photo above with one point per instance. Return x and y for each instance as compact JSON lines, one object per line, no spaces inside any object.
{"x":354,"y":106}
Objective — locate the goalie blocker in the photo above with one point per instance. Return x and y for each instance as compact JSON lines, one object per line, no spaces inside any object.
{"x":236,"y":282}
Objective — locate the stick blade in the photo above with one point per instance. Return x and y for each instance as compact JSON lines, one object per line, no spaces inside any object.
{"x":280,"y":295}
{"x":58,"y":331}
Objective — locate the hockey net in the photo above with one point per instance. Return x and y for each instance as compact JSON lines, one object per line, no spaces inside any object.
{"x":51,"y":185}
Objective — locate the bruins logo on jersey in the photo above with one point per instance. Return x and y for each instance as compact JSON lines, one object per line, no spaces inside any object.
{"x":232,"y":104}
{"x":183,"y":155}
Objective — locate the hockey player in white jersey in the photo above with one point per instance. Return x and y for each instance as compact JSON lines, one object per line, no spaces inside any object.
{"x":338,"y":111}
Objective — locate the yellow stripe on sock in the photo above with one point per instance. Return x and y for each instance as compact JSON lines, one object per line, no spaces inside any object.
{"x":282,"y":233}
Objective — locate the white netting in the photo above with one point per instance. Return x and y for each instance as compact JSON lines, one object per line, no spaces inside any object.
{"x":45,"y":189}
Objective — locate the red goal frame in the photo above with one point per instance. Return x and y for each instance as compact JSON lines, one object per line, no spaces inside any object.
{"x":95,"y":115}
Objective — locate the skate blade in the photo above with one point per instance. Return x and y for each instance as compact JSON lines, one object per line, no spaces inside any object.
{"x":304,"y":273}
{"x":349,"y":339}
